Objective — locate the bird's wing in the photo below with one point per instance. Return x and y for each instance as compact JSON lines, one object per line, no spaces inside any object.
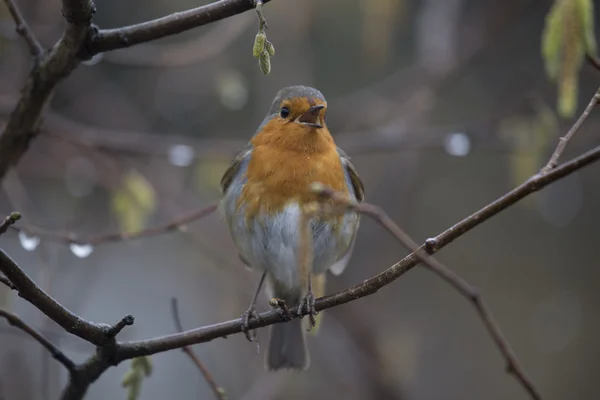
{"x":357,"y":187}
{"x":236,"y":167}
{"x":234,"y":172}
{"x":352,"y":176}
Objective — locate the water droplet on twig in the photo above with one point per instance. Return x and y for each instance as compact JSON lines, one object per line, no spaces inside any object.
{"x":28,"y":242}
{"x":81,"y":250}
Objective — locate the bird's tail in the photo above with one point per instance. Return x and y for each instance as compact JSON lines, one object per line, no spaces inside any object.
{"x":287,"y":347}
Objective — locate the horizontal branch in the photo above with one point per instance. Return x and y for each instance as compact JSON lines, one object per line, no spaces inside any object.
{"x":17,"y":322}
{"x":112,"y":39}
{"x":129,"y":350}
{"x":68,"y":237}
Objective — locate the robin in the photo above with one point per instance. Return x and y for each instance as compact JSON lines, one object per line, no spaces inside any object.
{"x":264,"y":191}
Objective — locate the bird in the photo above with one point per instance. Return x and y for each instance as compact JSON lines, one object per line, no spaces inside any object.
{"x":264,"y":190}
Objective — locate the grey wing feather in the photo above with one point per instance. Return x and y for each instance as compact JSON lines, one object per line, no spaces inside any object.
{"x":231,"y":173}
{"x":356,"y":186}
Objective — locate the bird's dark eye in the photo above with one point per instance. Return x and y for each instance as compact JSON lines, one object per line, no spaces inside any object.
{"x":285,"y":112}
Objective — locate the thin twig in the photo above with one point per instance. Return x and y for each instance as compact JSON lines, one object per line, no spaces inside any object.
{"x":17,"y":322}
{"x":214,"y":386}
{"x":23,"y":29}
{"x":462,"y":286}
{"x":562,"y":142}
{"x":111,"y":39}
{"x":8,"y":221}
{"x":119,"y":236}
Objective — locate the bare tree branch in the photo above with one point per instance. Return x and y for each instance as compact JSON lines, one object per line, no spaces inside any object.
{"x":111,"y":39}
{"x":194,"y":51}
{"x":23,"y":124}
{"x":68,"y":237}
{"x":17,"y":322}
{"x":218,"y":391}
{"x":462,"y":286}
{"x":80,"y":41}
{"x":97,"y":334}
{"x":562,"y":142}
{"x":23,"y":29}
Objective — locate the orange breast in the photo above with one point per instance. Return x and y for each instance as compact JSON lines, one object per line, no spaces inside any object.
{"x":283,"y":166}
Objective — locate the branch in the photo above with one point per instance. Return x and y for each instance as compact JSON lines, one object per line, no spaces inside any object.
{"x":214,"y":386}
{"x":120,"y":236}
{"x":23,"y":124}
{"x":112,"y":39}
{"x":194,"y":51}
{"x":562,"y":142}
{"x":463,"y":287}
{"x":23,"y":29}
{"x":15,"y":321}
{"x":97,"y":334}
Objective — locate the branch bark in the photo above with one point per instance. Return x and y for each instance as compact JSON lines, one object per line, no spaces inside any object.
{"x":112,"y":39}
{"x":23,"y":124}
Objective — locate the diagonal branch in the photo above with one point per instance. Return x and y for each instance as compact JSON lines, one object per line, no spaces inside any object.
{"x":17,"y":322}
{"x":23,"y":29}
{"x":23,"y":124}
{"x":111,"y":39}
{"x":97,"y":334}
{"x":462,"y":286}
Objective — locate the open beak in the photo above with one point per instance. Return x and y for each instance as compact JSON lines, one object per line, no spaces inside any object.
{"x":311,"y":117}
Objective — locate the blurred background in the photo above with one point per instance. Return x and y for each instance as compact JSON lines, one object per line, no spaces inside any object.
{"x":442,"y":104}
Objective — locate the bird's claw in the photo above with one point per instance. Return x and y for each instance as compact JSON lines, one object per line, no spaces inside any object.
{"x":246,"y":316}
{"x":284,"y":311}
{"x":307,"y":305}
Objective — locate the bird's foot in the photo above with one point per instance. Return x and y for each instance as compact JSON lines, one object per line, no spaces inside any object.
{"x":284,"y":311}
{"x":246,"y":317}
{"x":307,"y":306}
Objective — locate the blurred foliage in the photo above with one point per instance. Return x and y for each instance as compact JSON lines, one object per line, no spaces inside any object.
{"x":134,"y":201}
{"x":568,"y":35}
{"x":139,"y":369}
